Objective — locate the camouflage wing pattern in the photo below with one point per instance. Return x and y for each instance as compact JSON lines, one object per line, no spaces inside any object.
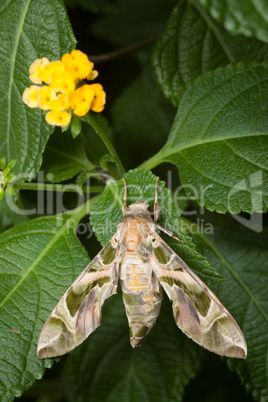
{"x":78,"y":313}
{"x":144,"y":263}
{"x":197,"y":311}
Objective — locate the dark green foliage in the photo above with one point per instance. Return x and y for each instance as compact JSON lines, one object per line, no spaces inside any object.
{"x":192,"y":94}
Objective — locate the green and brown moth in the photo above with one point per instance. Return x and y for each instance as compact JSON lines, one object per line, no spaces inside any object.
{"x":145,"y":264}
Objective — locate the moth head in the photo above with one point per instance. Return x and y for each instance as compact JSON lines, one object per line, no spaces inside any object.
{"x":142,"y":208}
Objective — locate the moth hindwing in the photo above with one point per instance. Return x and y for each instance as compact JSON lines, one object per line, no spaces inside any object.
{"x":138,"y":257}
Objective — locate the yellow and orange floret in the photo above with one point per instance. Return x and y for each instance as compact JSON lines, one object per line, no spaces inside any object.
{"x":61,"y":94}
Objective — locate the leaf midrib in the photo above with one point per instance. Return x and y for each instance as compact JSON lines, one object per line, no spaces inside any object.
{"x":170,"y":150}
{"x":31,"y":268}
{"x":13,"y":58}
{"x":76,"y":214}
{"x":213,"y":27}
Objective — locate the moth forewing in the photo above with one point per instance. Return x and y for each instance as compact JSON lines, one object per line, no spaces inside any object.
{"x":78,"y":313}
{"x":196,"y":309}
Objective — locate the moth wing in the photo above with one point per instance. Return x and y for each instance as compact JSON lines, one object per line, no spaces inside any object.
{"x":78,"y":313}
{"x":197,"y":311}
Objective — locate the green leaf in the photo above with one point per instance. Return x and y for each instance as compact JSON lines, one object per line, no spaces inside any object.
{"x":26,"y":35}
{"x":11,"y":164}
{"x":64,"y":157}
{"x":242,"y":257}
{"x":80,"y":180}
{"x":10,"y":190}
{"x":105,"y":160}
{"x":66,"y":128}
{"x":107,"y":212}
{"x":76,"y":126}
{"x":10,"y":177}
{"x":2,"y":163}
{"x":219,"y":139}
{"x":39,"y":260}
{"x":114,"y":372}
{"x":246,"y":17}
{"x":194,"y":43}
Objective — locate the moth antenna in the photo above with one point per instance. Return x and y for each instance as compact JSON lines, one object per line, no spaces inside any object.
{"x":155,"y":200}
{"x":125,"y":197}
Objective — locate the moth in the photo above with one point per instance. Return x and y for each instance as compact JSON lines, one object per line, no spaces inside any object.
{"x":145,"y":264}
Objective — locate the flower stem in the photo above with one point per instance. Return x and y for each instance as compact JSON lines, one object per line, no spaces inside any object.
{"x":90,"y":119}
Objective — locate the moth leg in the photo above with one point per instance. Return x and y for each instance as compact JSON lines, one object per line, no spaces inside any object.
{"x":125,"y":197}
{"x":170,"y":234}
{"x":155,"y":200}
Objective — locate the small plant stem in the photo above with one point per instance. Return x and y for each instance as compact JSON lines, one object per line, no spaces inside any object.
{"x":90,"y":119}
{"x":72,"y":188}
{"x":102,"y":58}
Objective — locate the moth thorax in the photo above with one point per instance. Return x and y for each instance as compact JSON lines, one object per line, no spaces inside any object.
{"x":132,"y":236}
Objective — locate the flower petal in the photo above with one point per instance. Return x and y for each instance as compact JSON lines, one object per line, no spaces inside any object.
{"x":46,"y":96}
{"x":60,"y":103}
{"x":63,"y":81}
{"x":77,"y":64}
{"x":51,"y":69}
{"x":99,"y":100}
{"x":36,"y":70}
{"x":61,"y":119}
{"x":30,"y":96}
{"x":81,"y":100}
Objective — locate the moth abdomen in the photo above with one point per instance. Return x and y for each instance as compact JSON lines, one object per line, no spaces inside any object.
{"x":141,"y":319}
{"x":137,"y":332}
{"x":142,"y":309}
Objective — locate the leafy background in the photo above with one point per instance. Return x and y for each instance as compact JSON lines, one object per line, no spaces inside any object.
{"x":191,"y":96}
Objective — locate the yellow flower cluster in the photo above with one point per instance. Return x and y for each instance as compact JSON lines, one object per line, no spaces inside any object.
{"x":60,"y":95}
